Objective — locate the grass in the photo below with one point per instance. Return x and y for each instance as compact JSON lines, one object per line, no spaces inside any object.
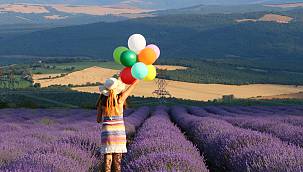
{"x":62,"y":67}
{"x":84,"y":65}
{"x":234,"y":71}
{"x":237,"y":71}
{"x":65,"y":98}
{"x":19,"y":83}
{"x":47,"y":71}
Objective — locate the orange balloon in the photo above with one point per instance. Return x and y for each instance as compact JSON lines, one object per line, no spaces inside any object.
{"x":147,"y":56}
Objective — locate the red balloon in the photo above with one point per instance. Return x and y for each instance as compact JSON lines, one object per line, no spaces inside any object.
{"x":126,"y":76}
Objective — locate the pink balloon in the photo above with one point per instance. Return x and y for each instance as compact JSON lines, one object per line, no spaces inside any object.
{"x":155,"y":48}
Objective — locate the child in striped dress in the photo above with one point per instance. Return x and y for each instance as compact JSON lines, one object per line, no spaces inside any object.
{"x":110,"y":113}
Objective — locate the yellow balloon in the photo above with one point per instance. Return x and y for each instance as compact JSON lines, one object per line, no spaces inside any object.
{"x":151,"y":73}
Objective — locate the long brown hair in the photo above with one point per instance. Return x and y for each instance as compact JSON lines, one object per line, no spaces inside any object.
{"x":107,"y":103}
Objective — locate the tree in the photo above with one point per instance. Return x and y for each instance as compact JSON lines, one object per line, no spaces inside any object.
{"x":37,"y":85}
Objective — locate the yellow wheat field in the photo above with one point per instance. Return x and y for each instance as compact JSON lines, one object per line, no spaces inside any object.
{"x":89,"y":75}
{"x":170,"y":67}
{"x":285,"y":96}
{"x":206,"y":92}
{"x":269,"y":18}
{"x":97,"y":9}
{"x":177,"y":89}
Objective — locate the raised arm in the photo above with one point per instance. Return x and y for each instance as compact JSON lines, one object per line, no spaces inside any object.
{"x":128,"y":91}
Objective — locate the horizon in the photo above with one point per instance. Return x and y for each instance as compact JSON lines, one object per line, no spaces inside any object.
{"x":152,"y":5}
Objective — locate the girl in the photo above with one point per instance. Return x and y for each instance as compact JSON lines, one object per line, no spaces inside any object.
{"x":110,"y":113}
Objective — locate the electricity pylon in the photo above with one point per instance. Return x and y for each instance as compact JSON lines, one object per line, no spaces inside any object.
{"x":161,"y":92}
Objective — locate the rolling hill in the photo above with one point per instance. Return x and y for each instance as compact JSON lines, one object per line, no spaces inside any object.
{"x":152,"y":4}
{"x":85,"y":12}
{"x":219,"y":9}
{"x":191,"y":35}
{"x":62,"y":14}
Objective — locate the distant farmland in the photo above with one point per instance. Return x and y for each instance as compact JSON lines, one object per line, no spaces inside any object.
{"x":178,"y":89}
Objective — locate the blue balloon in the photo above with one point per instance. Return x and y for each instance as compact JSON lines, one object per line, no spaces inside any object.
{"x":139,"y":70}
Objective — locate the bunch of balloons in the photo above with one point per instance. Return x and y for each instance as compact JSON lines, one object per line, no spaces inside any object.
{"x":138,"y":59}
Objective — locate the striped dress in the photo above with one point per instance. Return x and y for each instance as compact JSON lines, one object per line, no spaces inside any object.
{"x":113,"y":135}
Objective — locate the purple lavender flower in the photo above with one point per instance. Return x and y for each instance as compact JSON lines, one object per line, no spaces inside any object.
{"x":229,"y":148}
{"x":160,"y":146}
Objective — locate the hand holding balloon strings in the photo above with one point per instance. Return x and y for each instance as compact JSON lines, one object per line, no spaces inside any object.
{"x":138,"y":60}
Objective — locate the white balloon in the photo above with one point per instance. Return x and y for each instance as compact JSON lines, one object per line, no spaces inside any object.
{"x":136,"y":43}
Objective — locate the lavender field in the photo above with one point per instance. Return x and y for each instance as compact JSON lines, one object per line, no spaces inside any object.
{"x":214,"y":138}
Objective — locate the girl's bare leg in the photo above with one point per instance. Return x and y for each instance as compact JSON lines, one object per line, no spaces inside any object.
{"x":117,"y":158}
{"x":108,"y":158}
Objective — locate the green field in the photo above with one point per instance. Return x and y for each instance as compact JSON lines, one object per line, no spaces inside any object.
{"x":74,"y":66}
{"x":18,"y":83}
{"x":229,"y":71}
{"x":237,"y":71}
{"x":47,"y":67}
{"x":65,"y":98}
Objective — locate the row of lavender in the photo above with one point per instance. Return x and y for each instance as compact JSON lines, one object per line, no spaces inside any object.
{"x":53,"y":140}
{"x":135,"y":120}
{"x":277,"y":122}
{"x":36,"y":140}
{"x":66,"y":140}
{"x":230,"y":148}
{"x":251,"y":111}
{"x":160,"y":146}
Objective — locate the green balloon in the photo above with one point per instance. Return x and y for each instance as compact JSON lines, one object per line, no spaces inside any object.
{"x":128,"y":58}
{"x":117,"y":54}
